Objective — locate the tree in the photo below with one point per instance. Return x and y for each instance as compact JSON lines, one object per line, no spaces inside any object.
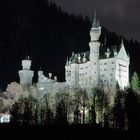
{"x":77,"y":115}
{"x":80,"y":101}
{"x":132,"y":106}
{"x":92,"y":115}
{"x":14,"y":90}
{"x":49,"y":116}
{"x":61,"y":109}
{"x":84,"y":99}
{"x":118,"y":110}
{"x":17,"y":111}
{"x":135,"y":82}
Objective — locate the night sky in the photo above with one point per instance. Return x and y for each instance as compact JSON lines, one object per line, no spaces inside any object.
{"x":121,"y":16}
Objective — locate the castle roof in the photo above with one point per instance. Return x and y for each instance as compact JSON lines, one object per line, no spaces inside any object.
{"x":95,"y":23}
{"x":79,"y":58}
{"x":83,"y":57}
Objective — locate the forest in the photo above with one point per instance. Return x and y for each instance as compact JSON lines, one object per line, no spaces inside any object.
{"x":112,"y":110}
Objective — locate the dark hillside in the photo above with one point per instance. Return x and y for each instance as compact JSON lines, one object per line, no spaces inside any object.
{"x":42,"y":30}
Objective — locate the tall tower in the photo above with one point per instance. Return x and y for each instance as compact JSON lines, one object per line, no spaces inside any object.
{"x":26,"y":74}
{"x":94,"y":44}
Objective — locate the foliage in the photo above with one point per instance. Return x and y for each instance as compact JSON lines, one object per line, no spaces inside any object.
{"x":135,"y":82}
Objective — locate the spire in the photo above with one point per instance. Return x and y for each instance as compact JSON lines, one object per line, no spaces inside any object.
{"x":108,"y":53}
{"x":40,"y":69}
{"x":67,"y":61}
{"x":94,"y":16}
{"x":79,"y":58}
{"x":105,"y":42}
{"x":55,"y":78}
{"x":122,"y":41}
{"x":72,"y":53}
{"x":95,"y":23}
{"x":115,"y":51}
{"x":84,"y":58}
{"x":50,"y":75}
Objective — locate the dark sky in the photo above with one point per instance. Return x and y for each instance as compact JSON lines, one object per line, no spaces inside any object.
{"x":121,"y":16}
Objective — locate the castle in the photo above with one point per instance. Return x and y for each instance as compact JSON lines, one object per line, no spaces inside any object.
{"x":87,"y":69}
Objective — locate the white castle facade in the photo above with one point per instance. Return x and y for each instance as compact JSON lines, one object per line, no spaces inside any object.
{"x":86,"y":70}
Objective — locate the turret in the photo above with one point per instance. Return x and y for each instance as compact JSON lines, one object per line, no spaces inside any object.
{"x":94,"y":51}
{"x":115,"y":52}
{"x":94,"y":43}
{"x":26,"y":63}
{"x":95,"y":30}
{"x":79,"y":58}
{"x":107,"y":53}
{"x":26,"y":74}
{"x":41,"y":81}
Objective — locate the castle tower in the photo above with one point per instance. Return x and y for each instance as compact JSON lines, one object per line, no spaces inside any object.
{"x":26,"y":74}
{"x":94,"y":51}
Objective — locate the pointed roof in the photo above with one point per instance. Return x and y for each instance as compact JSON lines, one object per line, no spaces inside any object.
{"x":105,"y":41}
{"x":122,"y":52}
{"x":67,"y":63}
{"x":40,"y":69}
{"x":95,"y":23}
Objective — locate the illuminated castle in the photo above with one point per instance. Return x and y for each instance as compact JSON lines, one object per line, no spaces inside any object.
{"x":86,"y":70}
{"x":93,"y":69}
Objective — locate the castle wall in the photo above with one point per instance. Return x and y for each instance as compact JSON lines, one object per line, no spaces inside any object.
{"x":122,"y":73}
{"x":107,"y":72}
{"x":84,"y":73}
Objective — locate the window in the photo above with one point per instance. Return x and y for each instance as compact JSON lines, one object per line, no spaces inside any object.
{"x":104,"y":63}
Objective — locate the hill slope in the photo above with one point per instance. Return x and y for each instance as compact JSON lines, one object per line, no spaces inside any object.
{"x":48,"y":35}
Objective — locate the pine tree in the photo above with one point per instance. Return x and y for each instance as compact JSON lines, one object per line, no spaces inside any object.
{"x":135,"y":82}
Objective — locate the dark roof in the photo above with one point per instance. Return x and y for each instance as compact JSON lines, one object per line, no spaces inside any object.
{"x":85,"y":55}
